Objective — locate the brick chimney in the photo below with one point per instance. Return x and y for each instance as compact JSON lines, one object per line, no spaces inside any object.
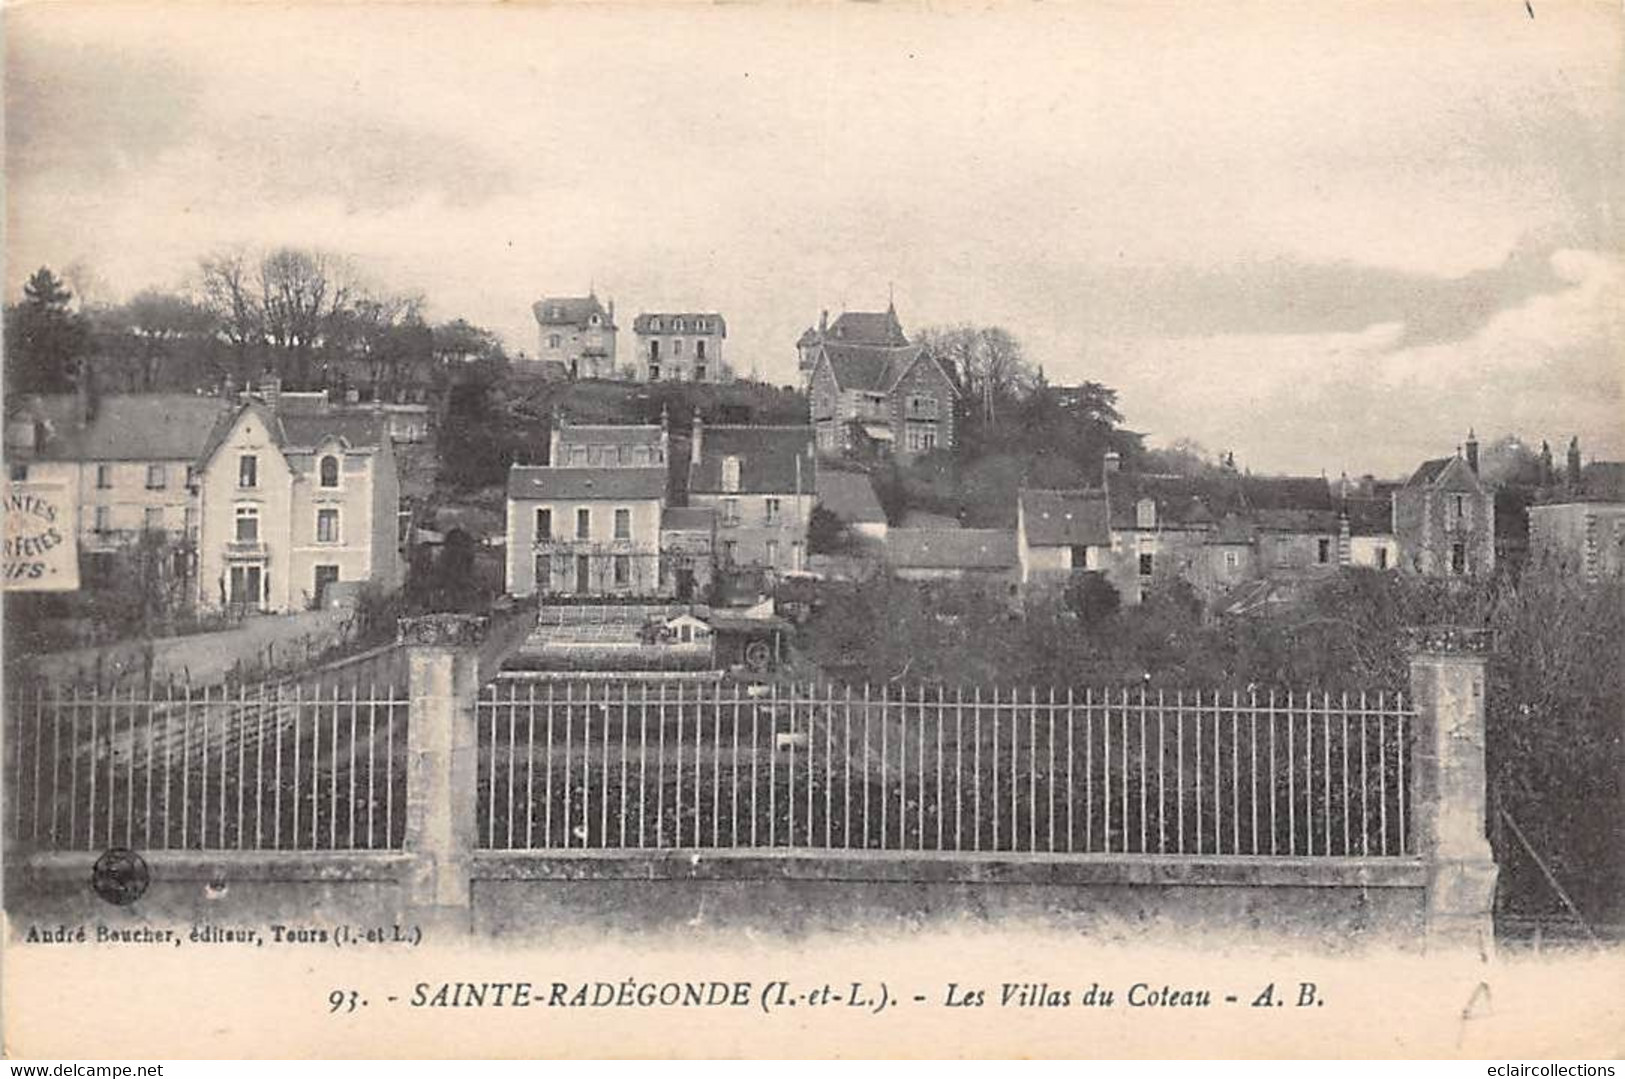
{"x":553,"y":438}
{"x":695,"y":440}
{"x":1472,"y":450}
{"x":271,"y":391}
{"x":1574,"y":462}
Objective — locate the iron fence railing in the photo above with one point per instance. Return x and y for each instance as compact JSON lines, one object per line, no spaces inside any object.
{"x":269,"y":767}
{"x":714,"y":765}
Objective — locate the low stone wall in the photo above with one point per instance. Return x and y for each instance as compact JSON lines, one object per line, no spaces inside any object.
{"x":252,"y":650}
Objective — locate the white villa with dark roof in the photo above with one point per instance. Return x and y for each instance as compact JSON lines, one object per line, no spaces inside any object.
{"x":679,"y":346}
{"x":577,"y":332}
{"x":294,"y":498}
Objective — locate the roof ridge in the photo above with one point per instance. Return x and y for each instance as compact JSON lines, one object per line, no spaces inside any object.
{"x":758,"y":427}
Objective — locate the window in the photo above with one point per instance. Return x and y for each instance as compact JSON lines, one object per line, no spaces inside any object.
{"x":189,"y":522}
{"x":19,"y":472}
{"x":325,"y":577}
{"x":922,"y":406}
{"x":157,"y":478}
{"x":1458,"y":558}
{"x":104,"y":477}
{"x":1231,"y":559}
{"x":773,"y":553}
{"x":191,"y":475}
{"x":248,"y":471}
{"x":1145,"y":514}
{"x":1080,"y":556}
{"x":248,"y":524}
{"x":773,"y":508}
{"x":654,"y":352}
{"x":544,"y":525}
{"x":327,"y":526}
{"x":730,"y":512}
{"x":623,"y":570}
{"x":152,"y":519}
{"x":729,"y":549}
{"x":1461,"y":507}
{"x":677,"y":324}
{"x":921,"y":437}
{"x":1145,"y":563}
{"x":583,"y":523}
{"x":103,"y":519}
{"x":623,"y":524}
{"x":654,"y":372}
{"x":553,"y":340}
{"x":328,"y":471}
{"x":1323,"y":550}
{"x":1382,"y":558}
{"x":699,"y":351}
{"x":677,"y":346}
{"x":654,"y":325}
{"x":730,"y":473}
{"x":798,"y":558}
{"x":699,"y":372}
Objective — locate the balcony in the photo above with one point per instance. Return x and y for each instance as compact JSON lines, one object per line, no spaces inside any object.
{"x":246,"y":549}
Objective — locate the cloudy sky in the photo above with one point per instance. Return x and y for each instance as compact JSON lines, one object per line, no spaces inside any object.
{"x":1324,"y":236}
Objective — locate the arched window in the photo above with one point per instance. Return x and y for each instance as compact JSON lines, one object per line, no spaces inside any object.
{"x":329,"y":471}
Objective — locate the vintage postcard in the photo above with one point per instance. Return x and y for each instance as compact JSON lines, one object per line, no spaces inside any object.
{"x":814,"y":530}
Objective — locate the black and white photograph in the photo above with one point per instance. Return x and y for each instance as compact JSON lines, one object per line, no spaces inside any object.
{"x":814,"y":530}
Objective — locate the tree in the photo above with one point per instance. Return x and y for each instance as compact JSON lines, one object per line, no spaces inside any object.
{"x":46,"y":340}
{"x":987,"y":362}
{"x":1091,"y":597}
{"x":301,"y":296}
{"x":826,"y":533}
{"x":150,"y":331}
{"x":228,"y":291}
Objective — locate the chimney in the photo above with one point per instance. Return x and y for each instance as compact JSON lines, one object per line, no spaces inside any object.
{"x":1547,"y":473}
{"x":823,"y":323}
{"x":1472,"y":450}
{"x":1574,"y":462}
{"x":1114,"y":461}
{"x":612,"y":310}
{"x":665,"y":435}
{"x":553,"y":437}
{"x":271,"y":391}
{"x":694,"y":440}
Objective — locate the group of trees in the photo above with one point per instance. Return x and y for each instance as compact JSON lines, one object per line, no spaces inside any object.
{"x":303,"y":316}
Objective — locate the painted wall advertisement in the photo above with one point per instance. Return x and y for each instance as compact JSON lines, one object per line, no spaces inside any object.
{"x":42,"y":538}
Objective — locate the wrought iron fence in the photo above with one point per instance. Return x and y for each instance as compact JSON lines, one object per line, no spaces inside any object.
{"x":712,"y":765}
{"x":269,"y":767}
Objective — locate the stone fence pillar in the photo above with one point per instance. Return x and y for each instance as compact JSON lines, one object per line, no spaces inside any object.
{"x":1448,"y":800}
{"x":443,"y":672}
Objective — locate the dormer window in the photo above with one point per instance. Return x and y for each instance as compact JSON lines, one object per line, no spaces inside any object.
{"x":248,"y":471}
{"x":730,"y":473}
{"x":328,"y":471}
{"x":1145,"y":513}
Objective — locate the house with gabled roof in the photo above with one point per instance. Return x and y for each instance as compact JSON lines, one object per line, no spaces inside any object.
{"x":867,"y":381}
{"x":1444,"y":518}
{"x":1061,"y":532}
{"x":293,"y":501}
{"x":577,"y":332}
{"x":762,"y":482}
{"x":987,"y":555}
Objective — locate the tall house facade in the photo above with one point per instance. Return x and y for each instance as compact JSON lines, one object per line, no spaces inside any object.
{"x":761,"y":483}
{"x":1444,"y":518}
{"x":577,"y":332}
{"x":293,"y":503}
{"x":866,"y":381}
{"x":585,"y":531}
{"x":680,"y":347}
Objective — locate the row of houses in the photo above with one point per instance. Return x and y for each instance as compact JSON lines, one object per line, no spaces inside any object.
{"x":264,"y":501}
{"x":865,"y":380}
{"x":612,"y":514}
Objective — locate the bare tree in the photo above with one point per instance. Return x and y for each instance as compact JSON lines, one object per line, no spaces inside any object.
{"x":988,"y":362}
{"x":227,"y":289}
{"x":301,"y":292}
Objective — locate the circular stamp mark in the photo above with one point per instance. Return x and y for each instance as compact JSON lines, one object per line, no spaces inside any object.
{"x":120,"y":876}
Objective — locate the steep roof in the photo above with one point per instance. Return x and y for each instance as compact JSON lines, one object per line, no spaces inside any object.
{"x":586,"y":484}
{"x":303,"y":431}
{"x":850,"y":496}
{"x":1428,"y":471}
{"x":126,"y":427}
{"x":642,"y":322}
{"x":767,"y":455}
{"x":569,"y":310}
{"x":1297,"y":520}
{"x":953,"y":548}
{"x":1370,"y":516}
{"x":1201,"y":501}
{"x":868,"y":328}
{"x":1065,"y":518}
{"x":610,"y":434}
